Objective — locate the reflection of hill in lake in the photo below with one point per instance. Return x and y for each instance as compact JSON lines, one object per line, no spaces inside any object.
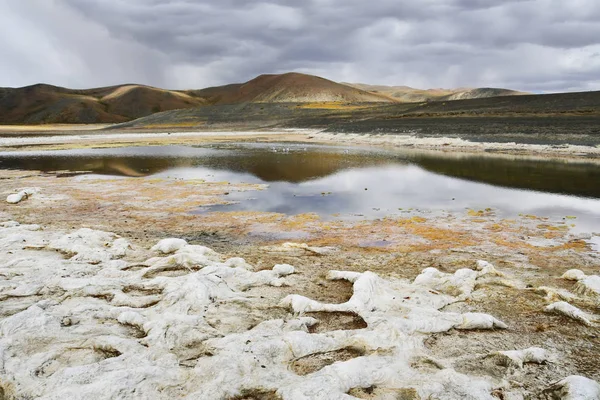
{"x":298,"y":166}
{"x":542,"y":175}
{"x":295,"y":166}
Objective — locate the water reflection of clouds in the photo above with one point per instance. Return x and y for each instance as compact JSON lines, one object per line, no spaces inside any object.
{"x":433,"y":183}
{"x":392,"y":187}
{"x":208,"y":174}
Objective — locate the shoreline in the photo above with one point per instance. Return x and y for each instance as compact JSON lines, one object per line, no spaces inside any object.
{"x":390,"y":141}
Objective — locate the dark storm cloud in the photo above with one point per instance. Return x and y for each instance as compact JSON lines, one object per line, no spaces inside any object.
{"x":544,"y":45}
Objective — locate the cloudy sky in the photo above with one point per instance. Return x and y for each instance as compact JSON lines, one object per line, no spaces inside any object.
{"x":533,"y":45}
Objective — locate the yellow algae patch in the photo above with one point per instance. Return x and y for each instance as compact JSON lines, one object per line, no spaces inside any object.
{"x":553,"y":227}
{"x":552,"y":235}
{"x":579,"y":245}
{"x":480,"y":213}
{"x":533,"y":217}
{"x":497,"y":227}
{"x":411,"y":221}
{"x":443,"y":237}
{"x":300,"y":220}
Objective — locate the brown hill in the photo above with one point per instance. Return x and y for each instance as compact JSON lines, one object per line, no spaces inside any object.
{"x":481,"y":93}
{"x":408,"y":94}
{"x":46,"y":104}
{"x":288,"y":88}
{"x":41,"y":103}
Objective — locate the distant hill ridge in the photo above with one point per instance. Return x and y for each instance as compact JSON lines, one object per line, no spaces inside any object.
{"x":408,"y":94}
{"x":44,"y":104}
{"x":288,"y":88}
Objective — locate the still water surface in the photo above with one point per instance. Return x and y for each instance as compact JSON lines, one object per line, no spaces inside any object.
{"x":345,"y":182}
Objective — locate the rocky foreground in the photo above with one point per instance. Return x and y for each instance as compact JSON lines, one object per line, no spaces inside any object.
{"x":87,"y":314}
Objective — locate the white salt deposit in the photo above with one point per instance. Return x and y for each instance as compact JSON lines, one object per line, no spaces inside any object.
{"x":573,"y":275}
{"x":85,"y":323}
{"x":562,"y":307}
{"x":168,"y":246}
{"x":587,"y":286}
{"x":516,"y":358}
{"x":23,"y":194}
{"x":575,"y":387}
{"x":91,"y":246}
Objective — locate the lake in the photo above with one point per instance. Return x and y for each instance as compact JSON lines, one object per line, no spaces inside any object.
{"x":349,"y":182}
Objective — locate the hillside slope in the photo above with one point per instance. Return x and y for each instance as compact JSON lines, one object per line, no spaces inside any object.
{"x":481,"y":93}
{"x":288,"y":88}
{"x":443,"y":116}
{"x":39,"y":104}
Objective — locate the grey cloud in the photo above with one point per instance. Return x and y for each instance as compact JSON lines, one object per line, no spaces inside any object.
{"x":547,"y":45}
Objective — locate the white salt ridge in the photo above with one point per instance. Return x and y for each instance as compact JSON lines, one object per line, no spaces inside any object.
{"x":573,"y":275}
{"x":554,"y":294}
{"x":587,"y":285}
{"x":516,"y":358}
{"x":564,"y":308}
{"x":23,"y":194}
{"x":170,"y":245}
{"x":91,"y":246}
{"x":187,"y":325}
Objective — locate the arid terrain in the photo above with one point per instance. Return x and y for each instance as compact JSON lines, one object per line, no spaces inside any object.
{"x":118,"y":280}
{"x":47,"y":104}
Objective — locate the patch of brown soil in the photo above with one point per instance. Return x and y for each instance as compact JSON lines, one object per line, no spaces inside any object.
{"x":373,"y":392}
{"x":333,"y":321}
{"x":257,"y":394}
{"x":314,"y":362}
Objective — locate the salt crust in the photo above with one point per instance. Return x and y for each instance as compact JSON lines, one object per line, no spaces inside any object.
{"x":81,"y":322}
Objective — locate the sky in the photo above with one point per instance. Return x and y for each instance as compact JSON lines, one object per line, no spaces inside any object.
{"x":531,"y":45}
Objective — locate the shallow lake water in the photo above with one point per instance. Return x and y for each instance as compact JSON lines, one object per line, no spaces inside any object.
{"x":343,"y":182}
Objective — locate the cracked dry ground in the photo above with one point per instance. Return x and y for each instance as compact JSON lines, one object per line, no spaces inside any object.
{"x":145,"y":210}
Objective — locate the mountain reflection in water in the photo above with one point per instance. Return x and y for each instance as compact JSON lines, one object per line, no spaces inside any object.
{"x":297,"y":163}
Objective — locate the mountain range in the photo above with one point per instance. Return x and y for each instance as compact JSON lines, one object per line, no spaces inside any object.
{"x":47,"y":104}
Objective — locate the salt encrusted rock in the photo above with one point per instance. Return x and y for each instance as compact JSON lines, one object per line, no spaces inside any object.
{"x":460,"y":284}
{"x":91,"y":246}
{"x":554,"y":294}
{"x":168,"y":246}
{"x":562,"y":307}
{"x":23,"y":194}
{"x":574,"y":387}
{"x":516,"y":358}
{"x":573,"y":275}
{"x":283,"y":269}
{"x":480,"y":321}
{"x":587,"y":286}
